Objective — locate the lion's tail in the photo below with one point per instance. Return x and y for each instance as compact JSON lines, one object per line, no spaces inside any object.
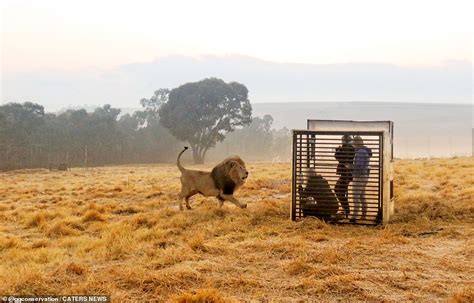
{"x":178,"y":163}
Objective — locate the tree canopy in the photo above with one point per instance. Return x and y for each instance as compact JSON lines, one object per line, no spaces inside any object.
{"x":203,"y":112}
{"x":29,"y":137}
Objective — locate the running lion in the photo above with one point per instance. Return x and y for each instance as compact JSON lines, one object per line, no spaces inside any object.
{"x":224,"y":179}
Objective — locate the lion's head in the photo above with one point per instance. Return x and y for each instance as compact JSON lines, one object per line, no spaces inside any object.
{"x":230,"y":174}
{"x":237,"y":172}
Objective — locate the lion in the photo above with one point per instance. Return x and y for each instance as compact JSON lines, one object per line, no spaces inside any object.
{"x":224,"y":179}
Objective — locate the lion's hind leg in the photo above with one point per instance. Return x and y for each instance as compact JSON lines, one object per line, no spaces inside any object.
{"x":180,"y":202}
{"x":188,"y":196}
{"x":185,"y":191}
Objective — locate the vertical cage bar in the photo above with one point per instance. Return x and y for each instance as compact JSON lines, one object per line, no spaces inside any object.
{"x":309,"y":148}
{"x":381,"y":178}
{"x":299,"y":153}
{"x":293,"y":176}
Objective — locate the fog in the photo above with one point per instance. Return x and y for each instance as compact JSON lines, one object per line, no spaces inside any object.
{"x":123,"y":86}
{"x":430,"y":106}
{"x":420,"y":130}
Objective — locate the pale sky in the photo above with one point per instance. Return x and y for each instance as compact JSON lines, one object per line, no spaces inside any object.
{"x":78,"y":35}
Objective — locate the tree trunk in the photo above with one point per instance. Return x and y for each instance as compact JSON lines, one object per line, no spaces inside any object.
{"x":204,"y":154}
{"x":197,"y":156}
{"x":85,"y":157}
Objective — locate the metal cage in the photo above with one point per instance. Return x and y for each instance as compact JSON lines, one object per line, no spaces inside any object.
{"x":323,"y":187}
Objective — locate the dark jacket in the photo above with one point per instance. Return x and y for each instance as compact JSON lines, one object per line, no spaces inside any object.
{"x":325,"y":203}
{"x":345,"y":155}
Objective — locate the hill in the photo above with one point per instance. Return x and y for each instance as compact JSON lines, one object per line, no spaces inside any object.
{"x":267,"y":81}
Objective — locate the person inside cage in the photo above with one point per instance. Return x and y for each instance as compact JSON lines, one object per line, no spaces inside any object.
{"x":360,"y":174}
{"x":345,"y":156}
{"x":317,"y":198}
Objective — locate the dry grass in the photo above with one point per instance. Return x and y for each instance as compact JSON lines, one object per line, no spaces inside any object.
{"x":118,"y":231}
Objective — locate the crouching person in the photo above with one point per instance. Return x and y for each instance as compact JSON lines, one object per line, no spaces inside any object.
{"x":317,"y":198}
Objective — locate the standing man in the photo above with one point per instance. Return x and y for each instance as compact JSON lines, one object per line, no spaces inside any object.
{"x":360,"y":172}
{"x":345,"y":156}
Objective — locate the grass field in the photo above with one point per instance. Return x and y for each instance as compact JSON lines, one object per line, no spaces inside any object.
{"x":117,"y":231}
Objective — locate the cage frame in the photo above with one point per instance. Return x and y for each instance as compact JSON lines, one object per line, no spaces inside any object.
{"x":383,"y":129}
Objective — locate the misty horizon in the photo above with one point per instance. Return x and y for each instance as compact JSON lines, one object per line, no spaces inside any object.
{"x":268,"y":82}
{"x":418,"y":126}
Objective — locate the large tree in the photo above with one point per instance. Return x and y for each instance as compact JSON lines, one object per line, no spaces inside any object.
{"x":153,"y":104}
{"x":203,"y":112}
